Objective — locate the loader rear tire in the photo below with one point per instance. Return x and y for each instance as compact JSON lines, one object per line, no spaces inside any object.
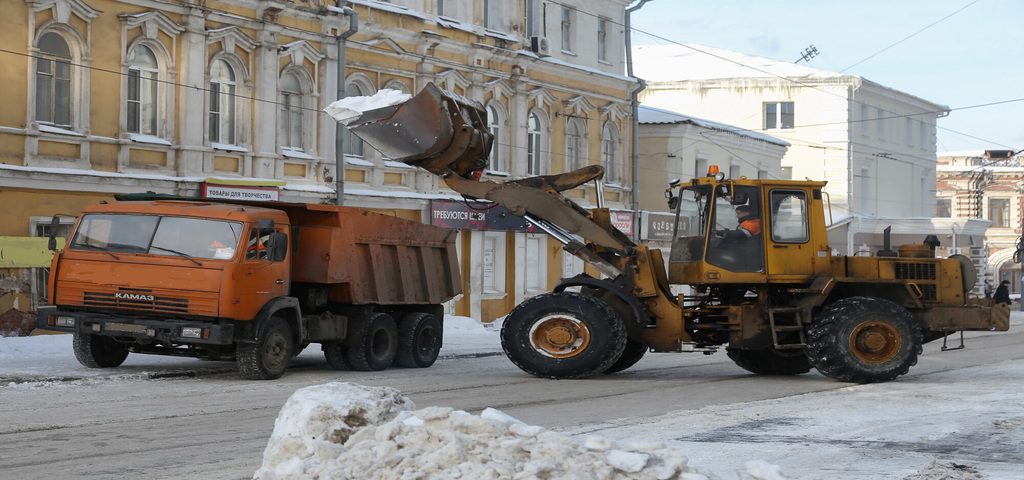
{"x":373,"y":343}
{"x":563,"y":335}
{"x":633,"y":353}
{"x":267,"y":358}
{"x":770,"y":361}
{"x":419,"y":340}
{"x":95,"y":351}
{"x":864,"y":340}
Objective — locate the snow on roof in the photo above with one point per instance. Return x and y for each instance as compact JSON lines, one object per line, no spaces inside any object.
{"x":656,"y":116}
{"x":388,"y":7}
{"x":700,"y":62}
{"x":961,"y":153}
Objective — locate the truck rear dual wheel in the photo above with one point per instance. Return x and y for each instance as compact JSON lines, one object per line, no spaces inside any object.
{"x":95,"y":351}
{"x":770,"y":361}
{"x":334,"y":353}
{"x":419,"y":340}
{"x":373,"y":343}
{"x":267,"y":358}
{"x":864,"y":340}
{"x":563,"y":335}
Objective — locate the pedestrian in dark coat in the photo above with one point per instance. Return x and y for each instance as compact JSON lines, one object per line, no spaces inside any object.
{"x":1002,"y":293}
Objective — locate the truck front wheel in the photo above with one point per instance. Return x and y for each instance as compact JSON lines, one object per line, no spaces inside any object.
{"x":95,"y":351}
{"x":268,"y":357}
{"x":373,"y":343}
{"x":864,"y":340}
{"x":563,"y":335}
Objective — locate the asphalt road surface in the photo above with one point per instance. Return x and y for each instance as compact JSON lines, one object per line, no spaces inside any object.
{"x":217,"y":426}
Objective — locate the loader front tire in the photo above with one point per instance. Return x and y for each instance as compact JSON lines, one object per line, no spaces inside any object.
{"x":864,"y":340}
{"x":770,"y":361}
{"x":563,"y":335}
{"x":633,"y":353}
{"x":95,"y":351}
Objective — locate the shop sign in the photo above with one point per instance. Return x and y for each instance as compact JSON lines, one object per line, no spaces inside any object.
{"x":240,"y":192}
{"x":657,"y":226}
{"x":463,"y":215}
{"x":623,"y":221}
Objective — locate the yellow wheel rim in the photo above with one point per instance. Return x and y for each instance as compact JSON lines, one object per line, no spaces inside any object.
{"x":875,"y":342}
{"x":559,"y":336}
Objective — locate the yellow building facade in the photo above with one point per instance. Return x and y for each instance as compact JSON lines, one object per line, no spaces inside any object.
{"x":105,"y":97}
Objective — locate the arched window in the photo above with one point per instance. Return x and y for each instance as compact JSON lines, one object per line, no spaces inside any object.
{"x":535,"y":145}
{"x":292,"y":104}
{"x":396,"y":85}
{"x":53,"y":81}
{"x":353,"y":144}
{"x":574,"y":155}
{"x":222,"y":103}
{"x":609,"y":155}
{"x":495,"y":122}
{"x":143,"y":71}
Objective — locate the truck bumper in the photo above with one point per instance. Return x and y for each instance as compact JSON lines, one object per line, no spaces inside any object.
{"x":168,"y":331}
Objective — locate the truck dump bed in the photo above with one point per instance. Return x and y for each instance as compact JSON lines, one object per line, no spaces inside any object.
{"x":369,"y":258}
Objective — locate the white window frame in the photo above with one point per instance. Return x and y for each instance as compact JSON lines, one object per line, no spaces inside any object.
{"x":575,"y":144}
{"x":146,"y":77}
{"x":226,"y":96}
{"x":356,"y":85}
{"x":496,"y":124}
{"x":602,"y":39}
{"x":536,"y":252}
{"x":301,"y":105}
{"x":536,"y":149}
{"x":492,"y":264}
{"x":610,"y":155}
{"x":53,"y":61}
{"x":568,"y":29}
{"x":778,"y":117}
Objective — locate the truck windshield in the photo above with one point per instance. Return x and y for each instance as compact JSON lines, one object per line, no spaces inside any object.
{"x":155,"y":235}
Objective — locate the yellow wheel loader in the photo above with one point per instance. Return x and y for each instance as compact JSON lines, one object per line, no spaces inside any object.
{"x":752,"y":257}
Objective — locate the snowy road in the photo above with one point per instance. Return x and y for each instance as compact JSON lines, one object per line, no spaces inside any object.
{"x":961,"y":407}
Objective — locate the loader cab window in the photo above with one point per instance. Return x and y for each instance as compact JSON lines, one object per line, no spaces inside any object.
{"x":789,"y":216}
{"x":691,"y":222}
{"x":735,"y":238}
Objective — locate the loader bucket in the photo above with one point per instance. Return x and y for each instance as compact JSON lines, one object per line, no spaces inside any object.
{"x":436,"y":130}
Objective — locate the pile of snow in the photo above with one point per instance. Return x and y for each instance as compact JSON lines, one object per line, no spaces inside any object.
{"x":342,"y":430}
{"x":349,"y":108}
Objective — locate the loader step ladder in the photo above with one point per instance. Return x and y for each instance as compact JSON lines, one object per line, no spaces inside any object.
{"x":786,"y":319}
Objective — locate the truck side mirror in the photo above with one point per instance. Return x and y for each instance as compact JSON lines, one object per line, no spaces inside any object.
{"x":54,"y":225}
{"x":278,"y":247}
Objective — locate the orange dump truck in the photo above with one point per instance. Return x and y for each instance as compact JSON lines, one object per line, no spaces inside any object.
{"x":253,"y":283}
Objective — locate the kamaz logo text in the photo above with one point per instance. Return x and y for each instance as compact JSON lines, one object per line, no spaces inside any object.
{"x":134,"y":296}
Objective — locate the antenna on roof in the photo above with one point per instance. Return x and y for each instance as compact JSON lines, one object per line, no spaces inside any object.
{"x":808,"y":53}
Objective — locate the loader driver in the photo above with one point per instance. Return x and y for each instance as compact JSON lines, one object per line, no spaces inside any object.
{"x":749,"y":224}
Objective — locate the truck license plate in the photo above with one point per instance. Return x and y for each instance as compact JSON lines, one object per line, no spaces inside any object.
{"x":126,"y":327}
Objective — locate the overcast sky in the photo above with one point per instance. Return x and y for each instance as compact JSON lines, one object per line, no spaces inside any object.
{"x":974,"y":57}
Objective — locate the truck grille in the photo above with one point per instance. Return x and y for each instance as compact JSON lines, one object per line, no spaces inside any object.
{"x":135,"y":299}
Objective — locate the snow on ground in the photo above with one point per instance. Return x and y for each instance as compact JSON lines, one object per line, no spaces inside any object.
{"x":48,"y":358}
{"x":346,"y":431}
{"x":878,"y":431}
{"x":350,"y":108}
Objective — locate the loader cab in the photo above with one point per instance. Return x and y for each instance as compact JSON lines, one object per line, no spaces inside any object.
{"x":748,"y":231}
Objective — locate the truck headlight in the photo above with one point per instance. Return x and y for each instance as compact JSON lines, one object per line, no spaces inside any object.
{"x":66,"y":322}
{"x":192,"y":332}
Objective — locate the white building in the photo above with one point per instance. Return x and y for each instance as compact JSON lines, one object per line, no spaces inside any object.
{"x":673,"y":145}
{"x":875,"y":145}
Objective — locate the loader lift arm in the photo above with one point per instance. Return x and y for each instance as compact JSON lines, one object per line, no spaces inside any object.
{"x":446,"y":134}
